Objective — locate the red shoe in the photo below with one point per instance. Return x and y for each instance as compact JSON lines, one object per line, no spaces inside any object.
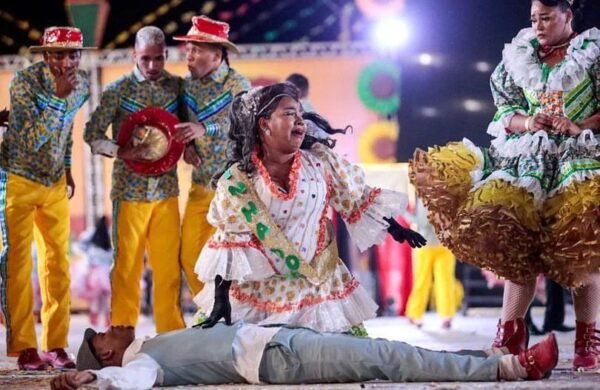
{"x":540,"y":359}
{"x":29,"y":360}
{"x":58,"y":358}
{"x":587,"y":346}
{"x":513,"y":335}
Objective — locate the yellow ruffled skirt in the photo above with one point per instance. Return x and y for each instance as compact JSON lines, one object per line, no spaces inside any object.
{"x":501,"y":227}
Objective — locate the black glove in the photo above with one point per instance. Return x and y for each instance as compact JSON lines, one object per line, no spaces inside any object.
{"x":222,"y":307}
{"x":400,"y":234}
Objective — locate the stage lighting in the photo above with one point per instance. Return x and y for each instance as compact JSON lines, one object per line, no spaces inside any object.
{"x":391,"y":33}
{"x":473,"y":105}
{"x":425,"y":59}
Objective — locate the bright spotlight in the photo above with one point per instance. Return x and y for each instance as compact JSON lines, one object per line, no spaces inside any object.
{"x":473,"y":105}
{"x":425,"y":59}
{"x":483,"y":66}
{"x":391,"y":33}
{"x":429,"y":112}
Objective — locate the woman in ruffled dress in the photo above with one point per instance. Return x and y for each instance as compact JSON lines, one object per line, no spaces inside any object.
{"x":273,"y":258}
{"x":530,"y":203}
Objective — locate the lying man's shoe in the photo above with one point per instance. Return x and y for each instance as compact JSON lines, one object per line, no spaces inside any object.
{"x":540,"y":359}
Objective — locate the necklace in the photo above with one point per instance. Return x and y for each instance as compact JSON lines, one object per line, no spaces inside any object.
{"x":546,"y":51}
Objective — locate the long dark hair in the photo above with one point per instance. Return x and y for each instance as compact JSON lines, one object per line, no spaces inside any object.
{"x":320,"y":123}
{"x":246,"y":110}
{"x":564,"y":5}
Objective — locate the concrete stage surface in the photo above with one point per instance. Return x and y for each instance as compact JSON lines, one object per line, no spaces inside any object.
{"x":475,"y":331}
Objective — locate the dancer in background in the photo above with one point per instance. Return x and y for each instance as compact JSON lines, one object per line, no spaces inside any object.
{"x":94,"y":284}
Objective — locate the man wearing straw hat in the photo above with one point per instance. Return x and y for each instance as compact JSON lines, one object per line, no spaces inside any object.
{"x":35,"y":185}
{"x":209,"y":90}
{"x":145,"y":207}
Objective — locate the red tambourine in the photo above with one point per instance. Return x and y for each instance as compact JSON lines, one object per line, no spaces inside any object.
{"x":154,"y":127}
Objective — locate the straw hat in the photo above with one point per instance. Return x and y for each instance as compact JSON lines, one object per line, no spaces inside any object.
{"x":61,"y":38}
{"x":153,"y":127}
{"x":207,"y":30}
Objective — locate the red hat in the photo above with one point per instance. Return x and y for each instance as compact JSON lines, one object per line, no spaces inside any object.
{"x":207,"y":30}
{"x":61,"y":38}
{"x":154,"y":127}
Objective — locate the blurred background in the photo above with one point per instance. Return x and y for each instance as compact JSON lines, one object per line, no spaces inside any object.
{"x":403,"y":73}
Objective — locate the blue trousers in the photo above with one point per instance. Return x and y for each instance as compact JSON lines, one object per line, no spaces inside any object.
{"x":296,"y":356}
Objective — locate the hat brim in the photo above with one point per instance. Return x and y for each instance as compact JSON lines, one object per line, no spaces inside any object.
{"x":200,"y":39}
{"x":86,"y":359}
{"x":40,"y":49}
{"x":163,"y":120}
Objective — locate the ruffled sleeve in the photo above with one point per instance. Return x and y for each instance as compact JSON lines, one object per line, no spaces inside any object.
{"x":509,"y":98}
{"x":362,"y":208}
{"x":233,"y":251}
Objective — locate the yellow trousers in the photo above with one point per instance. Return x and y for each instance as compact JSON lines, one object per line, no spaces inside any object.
{"x":195,"y":232}
{"x":433,"y":264}
{"x":152,"y":227}
{"x":23,"y":205}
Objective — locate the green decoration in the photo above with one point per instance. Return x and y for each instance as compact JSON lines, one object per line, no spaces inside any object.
{"x":249,"y":210}
{"x":262,"y":230}
{"x":292,"y":262}
{"x":278,"y":252}
{"x":228,"y":174}
{"x":358,"y":331}
{"x":236,"y":190}
{"x":90,"y":17}
{"x":379,"y":87}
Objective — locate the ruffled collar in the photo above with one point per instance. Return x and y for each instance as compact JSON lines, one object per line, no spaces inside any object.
{"x":292,"y":176}
{"x":522,"y":63}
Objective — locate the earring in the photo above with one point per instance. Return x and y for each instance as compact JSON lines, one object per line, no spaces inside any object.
{"x":267,"y":131}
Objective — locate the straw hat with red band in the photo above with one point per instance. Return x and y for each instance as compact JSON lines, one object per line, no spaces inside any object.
{"x":59,"y":39}
{"x":207,"y":30}
{"x":153,"y":127}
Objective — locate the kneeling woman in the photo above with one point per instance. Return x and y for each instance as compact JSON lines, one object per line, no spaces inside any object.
{"x":273,"y":259}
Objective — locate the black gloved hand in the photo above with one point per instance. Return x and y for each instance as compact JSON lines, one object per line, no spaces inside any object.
{"x":401,"y":234}
{"x":222,"y":307}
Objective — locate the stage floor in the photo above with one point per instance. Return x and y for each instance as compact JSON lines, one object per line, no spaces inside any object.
{"x":475,"y":331}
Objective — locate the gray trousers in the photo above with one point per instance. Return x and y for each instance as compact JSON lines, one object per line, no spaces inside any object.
{"x":303,"y":356}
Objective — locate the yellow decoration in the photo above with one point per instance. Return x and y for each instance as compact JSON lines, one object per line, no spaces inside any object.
{"x":370,"y":141}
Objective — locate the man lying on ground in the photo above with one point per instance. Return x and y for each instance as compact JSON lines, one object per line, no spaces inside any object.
{"x":245,"y":353}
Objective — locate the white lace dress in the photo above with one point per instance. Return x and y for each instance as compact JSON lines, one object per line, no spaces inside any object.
{"x":260,"y":293}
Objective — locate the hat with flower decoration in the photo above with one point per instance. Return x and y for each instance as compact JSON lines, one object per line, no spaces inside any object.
{"x":59,"y":39}
{"x":207,"y":30}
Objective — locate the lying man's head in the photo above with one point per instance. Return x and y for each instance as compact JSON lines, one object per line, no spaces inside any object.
{"x":104,"y":349}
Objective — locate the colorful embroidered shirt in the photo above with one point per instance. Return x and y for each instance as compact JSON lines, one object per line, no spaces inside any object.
{"x":39,"y":139}
{"x":207,"y":101}
{"x":129,"y":94}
